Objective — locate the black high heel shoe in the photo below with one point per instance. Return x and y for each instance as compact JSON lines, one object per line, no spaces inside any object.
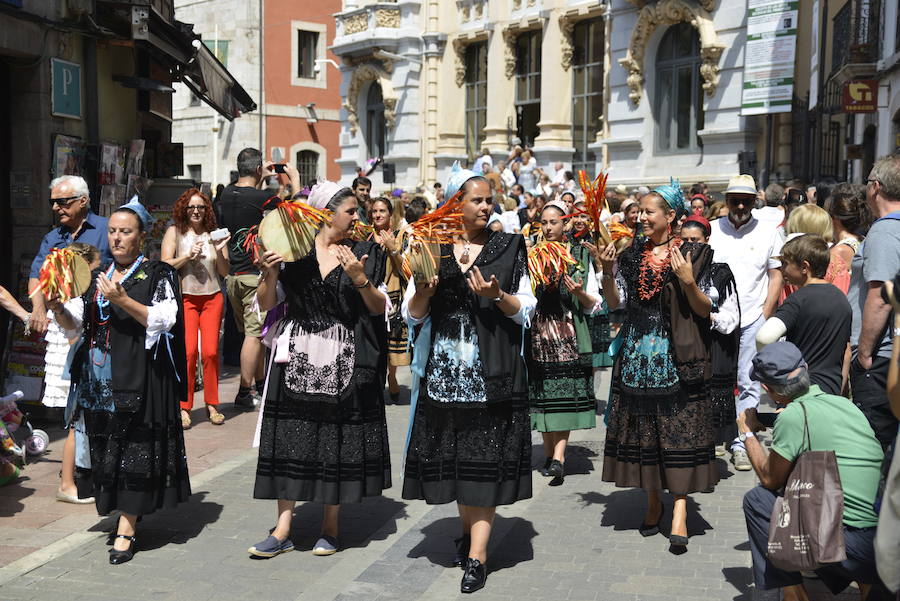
{"x":462,"y":550}
{"x":474,"y":577}
{"x":651,"y":529}
{"x":116,"y":557}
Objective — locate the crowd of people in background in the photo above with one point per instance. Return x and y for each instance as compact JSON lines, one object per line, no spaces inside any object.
{"x":699,"y":303}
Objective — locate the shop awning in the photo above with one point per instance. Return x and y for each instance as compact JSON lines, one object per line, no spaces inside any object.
{"x":192,"y":63}
{"x":211,"y":81}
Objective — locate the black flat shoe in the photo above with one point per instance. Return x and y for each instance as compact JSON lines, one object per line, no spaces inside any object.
{"x":546,"y":466}
{"x":678,"y":541}
{"x":556,"y":469}
{"x":651,"y":529}
{"x":462,"y":550}
{"x":116,"y":557}
{"x":474,"y":577}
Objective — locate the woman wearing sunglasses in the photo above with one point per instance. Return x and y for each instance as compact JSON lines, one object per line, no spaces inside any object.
{"x":188,"y":248}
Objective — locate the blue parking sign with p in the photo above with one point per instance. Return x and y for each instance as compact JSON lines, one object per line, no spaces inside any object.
{"x":66,"y":97}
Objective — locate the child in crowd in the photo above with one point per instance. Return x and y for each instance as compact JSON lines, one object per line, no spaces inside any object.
{"x":817,"y":317}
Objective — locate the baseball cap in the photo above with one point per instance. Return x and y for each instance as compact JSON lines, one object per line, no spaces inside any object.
{"x":775,"y":362}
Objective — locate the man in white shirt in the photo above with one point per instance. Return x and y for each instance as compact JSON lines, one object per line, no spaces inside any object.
{"x":748,"y":245}
{"x":508,"y":177}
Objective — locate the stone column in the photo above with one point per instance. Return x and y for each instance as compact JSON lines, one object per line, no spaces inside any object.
{"x":501,"y":94}
{"x":451,"y":103}
{"x":554,"y":143}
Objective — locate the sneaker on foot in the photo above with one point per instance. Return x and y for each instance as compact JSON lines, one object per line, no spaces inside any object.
{"x":326,"y":545}
{"x":740,"y":460}
{"x":720,"y":450}
{"x":271,"y":547}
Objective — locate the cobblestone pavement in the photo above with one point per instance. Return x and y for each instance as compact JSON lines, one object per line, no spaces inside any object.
{"x":578,"y":541}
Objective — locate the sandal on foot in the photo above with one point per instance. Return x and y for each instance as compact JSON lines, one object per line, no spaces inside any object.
{"x":215,"y":418}
{"x":185,"y":420}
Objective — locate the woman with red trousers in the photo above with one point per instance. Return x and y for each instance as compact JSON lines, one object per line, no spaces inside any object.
{"x":187,"y":247}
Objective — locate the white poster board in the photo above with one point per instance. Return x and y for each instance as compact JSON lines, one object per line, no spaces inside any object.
{"x":769,"y":56}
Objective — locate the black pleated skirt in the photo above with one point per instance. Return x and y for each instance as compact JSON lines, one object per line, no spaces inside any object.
{"x":310,"y":452}
{"x":479,"y":456}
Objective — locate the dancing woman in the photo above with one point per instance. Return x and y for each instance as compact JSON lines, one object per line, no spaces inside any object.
{"x":128,"y":376}
{"x":324,"y":436}
{"x":660,"y":432}
{"x":560,"y":379}
{"x":470,"y":440}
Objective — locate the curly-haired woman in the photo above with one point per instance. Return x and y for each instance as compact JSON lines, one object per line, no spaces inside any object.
{"x":188,"y":248}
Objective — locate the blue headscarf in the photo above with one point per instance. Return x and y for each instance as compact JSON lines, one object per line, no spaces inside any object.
{"x":674,"y":197}
{"x":458,"y":177}
{"x":138,"y":209}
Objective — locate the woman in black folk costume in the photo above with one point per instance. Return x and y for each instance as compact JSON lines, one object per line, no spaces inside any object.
{"x":660,"y":433}
{"x":726,"y":336}
{"x":559,"y":349}
{"x":128,"y":374}
{"x":470,"y":438}
{"x":323,"y":436}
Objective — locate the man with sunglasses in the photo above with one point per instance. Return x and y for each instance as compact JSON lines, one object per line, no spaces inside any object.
{"x":877,"y":261}
{"x":70,"y":202}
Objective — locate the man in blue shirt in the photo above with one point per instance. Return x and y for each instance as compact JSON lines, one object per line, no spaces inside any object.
{"x":70,"y":200}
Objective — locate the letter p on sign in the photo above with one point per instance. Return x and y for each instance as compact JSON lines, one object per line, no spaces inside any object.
{"x":66,"y":89}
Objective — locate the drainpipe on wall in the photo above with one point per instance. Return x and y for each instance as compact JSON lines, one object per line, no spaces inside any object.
{"x":91,"y":107}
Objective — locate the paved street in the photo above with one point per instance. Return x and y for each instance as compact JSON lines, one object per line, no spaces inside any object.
{"x":578,"y":541}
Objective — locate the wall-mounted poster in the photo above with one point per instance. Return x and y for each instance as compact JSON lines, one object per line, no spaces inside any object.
{"x":135,"y":157}
{"x":68,"y":155}
{"x":138,"y":186}
{"x":112,"y":164}
{"x":112,"y":196}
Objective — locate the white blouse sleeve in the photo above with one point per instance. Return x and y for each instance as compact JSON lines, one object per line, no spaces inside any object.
{"x":162,"y":312}
{"x":75,"y":308}
{"x":527,"y":302}
{"x":727,"y":315}
{"x":593,"y":290}
{"x":404,"y":306}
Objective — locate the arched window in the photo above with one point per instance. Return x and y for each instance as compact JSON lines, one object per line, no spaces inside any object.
{"x":308,"y":166}
{"x":375,"y":121}
{"x":679,"y":98}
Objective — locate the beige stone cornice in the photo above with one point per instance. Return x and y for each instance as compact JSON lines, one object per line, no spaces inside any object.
{"x":669,"y":12}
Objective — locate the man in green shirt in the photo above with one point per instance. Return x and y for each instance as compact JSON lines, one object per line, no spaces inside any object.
{"x":835,"y":424}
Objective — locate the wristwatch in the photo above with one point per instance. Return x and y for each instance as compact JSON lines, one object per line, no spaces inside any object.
{"x":743,"y":436}
{"x":499,"y":298}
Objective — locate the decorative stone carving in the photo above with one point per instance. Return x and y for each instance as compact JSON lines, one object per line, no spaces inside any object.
{"x":387,"y":17}
{"x":509,"y":41}
{"x":567,"y":26}
{"x":355,"y":23}
{"x":516,"y":4}
{"x":363,"y":74}
{"x":465,"y":12}
{"x":479,"y":9}
{"x":386,"y":63}
{"x":669,"y":12}
{"x":709,"y":5}
{"x":459,"y":51}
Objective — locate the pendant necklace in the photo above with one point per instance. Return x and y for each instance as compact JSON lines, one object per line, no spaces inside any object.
{"x":466,"y":244}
